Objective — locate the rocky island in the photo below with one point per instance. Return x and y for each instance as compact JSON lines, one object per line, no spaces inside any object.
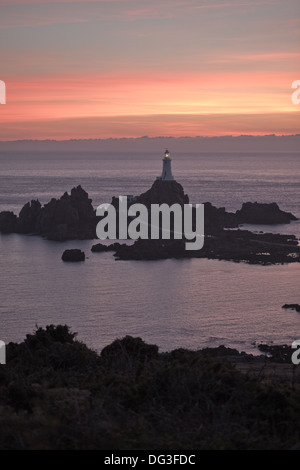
{"x":73,"y":217}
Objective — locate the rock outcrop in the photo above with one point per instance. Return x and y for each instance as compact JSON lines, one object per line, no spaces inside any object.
{"x":232,"y":245}
{"x":260,"y":213}
{"x":216,"y":219}
{"x":70,"y":217}
{"x":100,"y":247}
{"x":73,"y":255}
{"x":292,"y":306}
{"x":8,"y":222}
{"x":169,"y":192}
{"x":28,"y":217}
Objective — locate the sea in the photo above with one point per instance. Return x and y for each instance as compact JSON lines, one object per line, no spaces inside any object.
{"x":192,"y":303}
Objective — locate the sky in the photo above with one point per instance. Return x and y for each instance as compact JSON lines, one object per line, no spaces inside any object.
{"x":129,"y":68}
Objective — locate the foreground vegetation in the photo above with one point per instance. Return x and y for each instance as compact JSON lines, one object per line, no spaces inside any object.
{"x":56,"y":393}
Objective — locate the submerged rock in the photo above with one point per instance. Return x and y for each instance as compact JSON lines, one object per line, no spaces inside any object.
{"x":73,"y":255}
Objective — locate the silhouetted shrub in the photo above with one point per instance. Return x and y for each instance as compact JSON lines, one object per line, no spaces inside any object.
{"x":130,"y":348}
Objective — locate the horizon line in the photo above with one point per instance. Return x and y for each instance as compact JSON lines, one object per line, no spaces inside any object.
{"x":153,"y":137}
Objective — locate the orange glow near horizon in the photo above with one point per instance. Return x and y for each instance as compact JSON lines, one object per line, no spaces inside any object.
{"x":131,"y":95}
{"x":124,"y":69}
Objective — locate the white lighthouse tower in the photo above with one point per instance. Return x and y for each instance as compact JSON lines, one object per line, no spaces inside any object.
{"x":166,"y":174}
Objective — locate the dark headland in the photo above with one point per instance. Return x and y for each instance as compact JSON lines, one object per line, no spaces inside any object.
{"x":56,"y":393}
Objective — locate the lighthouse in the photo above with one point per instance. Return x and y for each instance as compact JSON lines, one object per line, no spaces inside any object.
{"x":166,"y":174}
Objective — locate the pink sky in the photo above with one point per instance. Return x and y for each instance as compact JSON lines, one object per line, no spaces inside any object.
{"x":128,"y":68}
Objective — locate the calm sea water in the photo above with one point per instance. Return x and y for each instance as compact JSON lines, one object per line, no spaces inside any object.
{"x":172,"y":303}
